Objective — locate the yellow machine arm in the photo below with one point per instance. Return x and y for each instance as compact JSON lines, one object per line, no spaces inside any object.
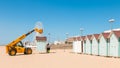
{"x":12,"y":44}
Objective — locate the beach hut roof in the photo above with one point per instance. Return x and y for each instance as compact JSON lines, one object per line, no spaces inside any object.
{"x":105,"y":35}
{"x":96,"y":36}
{"x":117,"y":34}
{"x":83,"y":37}
{"x":89,"y":37}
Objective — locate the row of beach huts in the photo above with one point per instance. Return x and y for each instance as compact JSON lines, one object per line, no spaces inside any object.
{"x":104,"y":44}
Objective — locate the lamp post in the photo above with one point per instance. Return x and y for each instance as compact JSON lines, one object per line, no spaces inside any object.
{"x":111,"y":21}
{"x":49,"y":37}
{"x":81,"y":31}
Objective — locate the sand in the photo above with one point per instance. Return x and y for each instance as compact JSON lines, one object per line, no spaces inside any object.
{"x":56,"y":59}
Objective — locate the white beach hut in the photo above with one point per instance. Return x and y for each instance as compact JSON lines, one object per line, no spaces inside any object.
{"x":114,"y":46}
{"x":103,"y":44}
{"x":41,"y":44}
{"x":87,"y":42}
{"x":77,"y":45}
{"x":95,"y":44}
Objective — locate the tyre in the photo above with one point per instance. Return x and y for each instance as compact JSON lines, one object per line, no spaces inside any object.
{"x":12,"y":52}
{"x":28,"y":51}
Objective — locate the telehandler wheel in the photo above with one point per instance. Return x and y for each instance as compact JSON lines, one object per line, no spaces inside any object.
{"x":12,"y":52}
{"x":28,"y":51}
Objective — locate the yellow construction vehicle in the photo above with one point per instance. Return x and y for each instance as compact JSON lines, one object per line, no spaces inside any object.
{"x":16,"y":46}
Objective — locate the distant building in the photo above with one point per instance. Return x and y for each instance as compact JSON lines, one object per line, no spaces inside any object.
{"x":70,"y":40}
{"x":59,"y":42}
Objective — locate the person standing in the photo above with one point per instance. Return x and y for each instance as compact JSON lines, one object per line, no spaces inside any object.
{"x":48,"y":48}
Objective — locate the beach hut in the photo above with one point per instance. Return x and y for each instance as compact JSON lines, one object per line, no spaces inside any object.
{"x":103,"y":44}
{"x":88,"y":42}
{"x":78,"y":45}
{"x":41,"y":44}
{"x":95,"y":44}
{"x":114,"y":46}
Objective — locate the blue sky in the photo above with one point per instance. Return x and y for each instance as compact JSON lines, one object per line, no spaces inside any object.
{"x":58,"y":17}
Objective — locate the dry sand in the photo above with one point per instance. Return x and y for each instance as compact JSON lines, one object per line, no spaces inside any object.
{"x":56,"y":59}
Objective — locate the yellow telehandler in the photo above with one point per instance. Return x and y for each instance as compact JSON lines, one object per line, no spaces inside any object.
{"x":16,"y":46}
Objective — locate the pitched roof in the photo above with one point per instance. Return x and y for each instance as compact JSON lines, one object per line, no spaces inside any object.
{"x":79,"y":38}
{"x":117,"y":33}
{"x":105,"y":35}
{"x":96,"y":36}
{"x":76,"y":38}
{"x":89,"y":36}
{"x":83,"y":37}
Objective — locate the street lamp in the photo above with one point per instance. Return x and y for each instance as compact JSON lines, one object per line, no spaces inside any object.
{"x":67,"y":35}
{"x":81,"y":31}
{"x":49,"y":37}
{"x":111,"y":21}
